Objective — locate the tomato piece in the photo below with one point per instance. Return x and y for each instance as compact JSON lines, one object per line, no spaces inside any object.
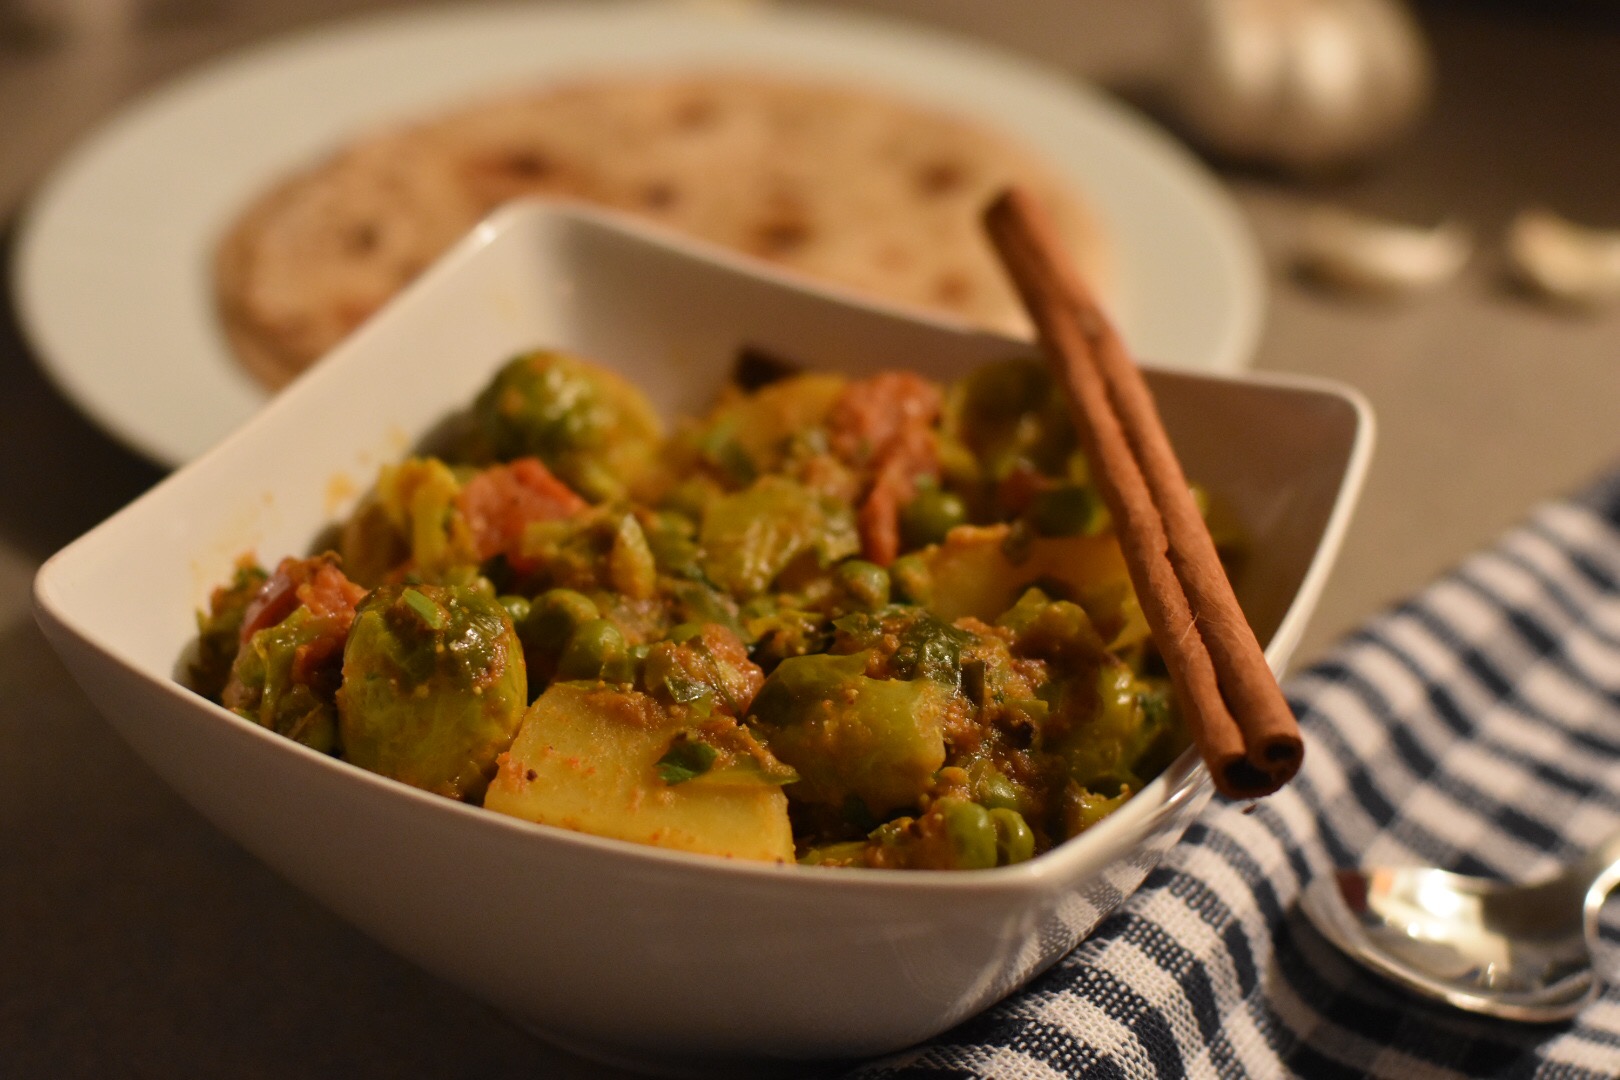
{"x":501,"y":501}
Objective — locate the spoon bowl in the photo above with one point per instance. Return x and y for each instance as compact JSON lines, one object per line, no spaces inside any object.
{"x":1513,"y":951}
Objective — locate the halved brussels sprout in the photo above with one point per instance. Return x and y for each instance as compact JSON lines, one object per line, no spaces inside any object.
{"x":876,"y":740}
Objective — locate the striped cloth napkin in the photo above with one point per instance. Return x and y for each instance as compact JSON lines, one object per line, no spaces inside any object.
{"x":1475,"y":727}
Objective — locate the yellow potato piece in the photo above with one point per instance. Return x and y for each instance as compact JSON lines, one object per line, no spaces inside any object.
{"x":971,"y":575}
{"x":585,"y":758}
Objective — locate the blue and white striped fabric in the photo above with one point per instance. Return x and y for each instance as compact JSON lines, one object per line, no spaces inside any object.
{"x":1476,"y":727}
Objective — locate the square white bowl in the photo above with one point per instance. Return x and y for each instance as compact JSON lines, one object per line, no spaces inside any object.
{"x":591,"y":941}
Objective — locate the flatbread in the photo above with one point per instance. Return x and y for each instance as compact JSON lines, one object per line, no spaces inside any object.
{"x":842,"y":183}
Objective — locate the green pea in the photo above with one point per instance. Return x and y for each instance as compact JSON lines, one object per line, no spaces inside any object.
{"x":685,"y":631}
{"x":1064,"y":511}
{"x":928,"y":517}
{"x":595,"y":651}
{"x":553,"y":617}
{"x":992,"y":789}
{"x":971,"y":831}
{"x":1014,"y":840}
{"x":867,"y":584}
{"x":910,"y":577}
{"x":517,"y":607}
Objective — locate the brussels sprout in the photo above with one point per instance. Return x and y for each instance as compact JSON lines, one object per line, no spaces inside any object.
{"x":912,"y":577}
{"x":434,"y":687}
{"x":1010,"y":412}
{"x":219,"y":630}
{"x":591,"y":427}
{"x":1052,"y":629}
{"x":877,"y":740}
{"x":751,"y":537}
{"x":276,"y":682}
{"x":718,"y":448}
{"x":786,"y":632}
{"x":1102,"y":730}
{"x":699,"y":602}
{"x":287,"y":671}
{"x":750,"y":435}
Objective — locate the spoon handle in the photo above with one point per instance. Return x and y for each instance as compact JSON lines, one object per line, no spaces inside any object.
{"x":1603,"y":883}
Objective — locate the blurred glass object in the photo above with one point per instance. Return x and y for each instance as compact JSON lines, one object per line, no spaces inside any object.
{"x":1305,"y":85}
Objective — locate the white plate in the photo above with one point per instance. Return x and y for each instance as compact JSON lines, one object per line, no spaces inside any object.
{"x":113,"y":261}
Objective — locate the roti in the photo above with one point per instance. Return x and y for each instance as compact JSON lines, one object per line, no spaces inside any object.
{"x":845,"y":184}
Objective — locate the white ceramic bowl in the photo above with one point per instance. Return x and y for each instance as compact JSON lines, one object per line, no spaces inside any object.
{"x":617,"y":950}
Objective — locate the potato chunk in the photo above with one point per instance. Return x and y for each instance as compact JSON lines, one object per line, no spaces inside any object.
{"x":588,"y":758}
{"x":972,"y":575}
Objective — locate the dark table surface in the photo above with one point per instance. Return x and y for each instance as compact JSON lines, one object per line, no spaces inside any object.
{"x":135,"y":940}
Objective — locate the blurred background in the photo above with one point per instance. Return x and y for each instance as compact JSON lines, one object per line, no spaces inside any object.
{"x":1489,"y":399}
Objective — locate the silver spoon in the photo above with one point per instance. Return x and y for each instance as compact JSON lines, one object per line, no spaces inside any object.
{"x":1519,"y":952}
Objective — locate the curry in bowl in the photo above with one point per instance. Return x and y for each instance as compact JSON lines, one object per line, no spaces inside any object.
{"x":846,"y":621}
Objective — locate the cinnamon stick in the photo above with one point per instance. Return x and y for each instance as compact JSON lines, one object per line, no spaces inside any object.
{"x":1234,"y":709}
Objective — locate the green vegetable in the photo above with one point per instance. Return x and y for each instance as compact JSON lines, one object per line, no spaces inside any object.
{"x":929,"y":516}
{"x":597,"y":650}
{"x":1066,"y":511}
{"x":707,"y":647}
{"x":911,"y":577}
{"x":1014,"y":840}
{"x":863,"y":586}
{"x":219,"y":630}
{"x":269,"y":685}
{"x":878,"y":740}
{"x":671,"y":538}
{"x":705,"y":668}
{"x":686,"y":759}
{"x":929,"y":649}
{"x":547,"y":629}
{"x":1011,"y":413}
{"x":971,"y":832}
{"x":432,"y":615}
{"x":592,"y":429}
{"x":750,"y":537}
{"x":431,"y":699}
{"x":517,"y":607}
{"x":991,"y":788}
